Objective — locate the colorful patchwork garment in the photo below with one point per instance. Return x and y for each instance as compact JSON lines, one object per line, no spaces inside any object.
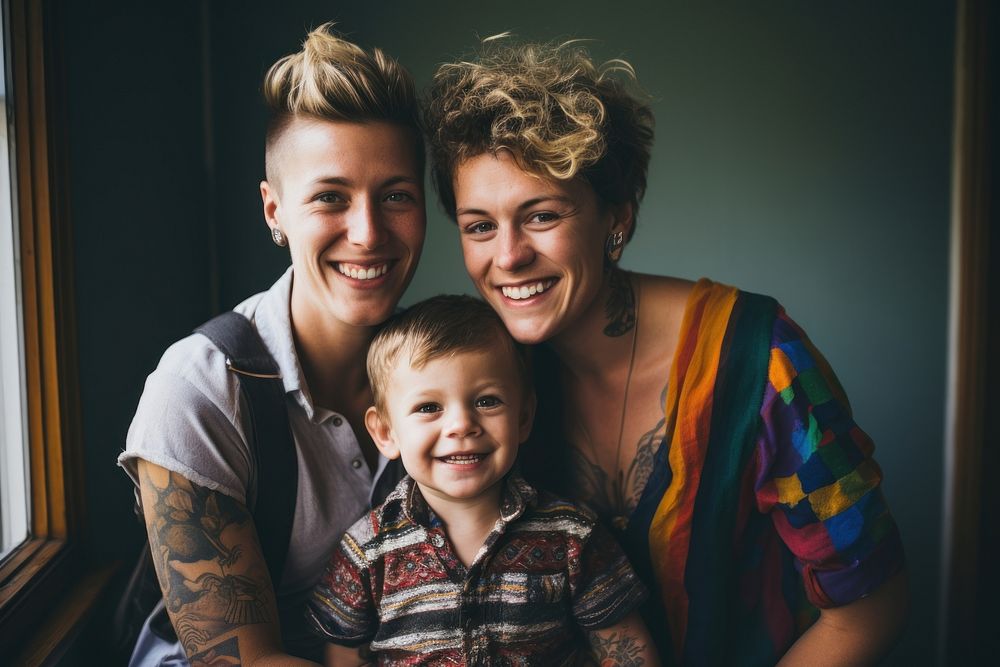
{"x":766,"y":503}
{"x":546,"y":572}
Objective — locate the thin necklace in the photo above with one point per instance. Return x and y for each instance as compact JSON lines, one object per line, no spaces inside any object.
{"x":621,"y":521}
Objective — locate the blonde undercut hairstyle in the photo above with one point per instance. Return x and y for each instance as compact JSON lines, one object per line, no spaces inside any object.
{"x":439,"y":327}
{"x":559,"y":114}
{"x":333,"y":79}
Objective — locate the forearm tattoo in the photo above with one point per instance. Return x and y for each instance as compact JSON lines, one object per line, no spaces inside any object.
{"x":620,"y":307}
{"x":197,"y":538}
{"x":224,"y":654}
{"x":618,"y":648}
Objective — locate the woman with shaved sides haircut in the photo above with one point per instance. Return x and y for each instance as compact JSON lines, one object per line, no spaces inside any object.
{"x":344,"y":194}
{"x":695,"y":418}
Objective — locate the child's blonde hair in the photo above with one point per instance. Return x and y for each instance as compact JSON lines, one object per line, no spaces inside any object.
{"x":437,"y":327}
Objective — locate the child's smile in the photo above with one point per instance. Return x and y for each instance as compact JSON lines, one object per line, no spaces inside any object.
{"x":456,"y":422}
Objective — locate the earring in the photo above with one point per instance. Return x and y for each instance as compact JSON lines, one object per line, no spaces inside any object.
{"x":614,"y":245}
{"x":278,"y":237}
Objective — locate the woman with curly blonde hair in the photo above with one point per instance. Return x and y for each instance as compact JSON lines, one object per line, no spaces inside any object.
{"x":696,"y":419}
{"x":343,"y":195}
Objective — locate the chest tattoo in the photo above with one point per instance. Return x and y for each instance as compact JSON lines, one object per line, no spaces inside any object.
{"x":615,"y":495}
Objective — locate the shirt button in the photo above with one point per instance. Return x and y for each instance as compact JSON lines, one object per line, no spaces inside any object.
{"x":437,"y":540}
{"x":337,"y":421}
{"x":356,"y":463}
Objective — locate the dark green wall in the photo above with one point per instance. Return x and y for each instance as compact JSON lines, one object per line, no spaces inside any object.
{"x":138,"y":207}
{"x":802,"y":151}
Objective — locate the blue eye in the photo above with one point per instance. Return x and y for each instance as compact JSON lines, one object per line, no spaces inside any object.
{"x":544,"y":216}
{"x":330,"y":198}
{"x":488,"y":402}
{"x":399,"y":197}
{"x":482,"y":227}
{"x":428,"y":408}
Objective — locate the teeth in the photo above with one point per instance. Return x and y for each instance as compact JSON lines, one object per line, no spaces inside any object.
{"x":525,"y":291}
{"x":463,"y":458}
{"x":363,"y":273}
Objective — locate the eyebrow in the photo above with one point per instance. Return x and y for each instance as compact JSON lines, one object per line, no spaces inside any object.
{"x":346,"y":182}
{"x":523,"y":205}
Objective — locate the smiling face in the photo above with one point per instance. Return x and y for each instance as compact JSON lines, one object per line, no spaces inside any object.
{"x":533,"y":247}
{"x":348,"y":197}
{"x":456,"y":422}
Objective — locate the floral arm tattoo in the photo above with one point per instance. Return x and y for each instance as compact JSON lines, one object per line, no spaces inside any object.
{"x":617,"y":648}
{"x":213,"y":578}
{"x":627,"y":643}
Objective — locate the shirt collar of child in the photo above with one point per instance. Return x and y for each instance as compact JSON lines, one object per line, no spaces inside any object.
{"x":517,"y":495}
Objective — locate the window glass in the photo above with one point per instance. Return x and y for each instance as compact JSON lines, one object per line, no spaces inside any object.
{"x":13,"y":409}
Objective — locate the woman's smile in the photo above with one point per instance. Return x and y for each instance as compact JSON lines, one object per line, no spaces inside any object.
{"x":351,"y":207}
{"x":534,"y":247}
{"x":525,"y":291}
{"x":362,"y":271}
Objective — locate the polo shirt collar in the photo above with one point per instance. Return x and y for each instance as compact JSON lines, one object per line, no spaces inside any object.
{"x":273,"y":318}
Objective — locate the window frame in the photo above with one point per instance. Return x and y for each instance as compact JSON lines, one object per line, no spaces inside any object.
{"x":970,"y":462}
{"x":41,"y":569}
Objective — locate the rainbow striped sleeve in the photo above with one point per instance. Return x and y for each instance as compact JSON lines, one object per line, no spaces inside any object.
{"x":766,"y":503}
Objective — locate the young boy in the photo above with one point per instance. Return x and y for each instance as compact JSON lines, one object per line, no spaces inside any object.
{"x":465,"y":563}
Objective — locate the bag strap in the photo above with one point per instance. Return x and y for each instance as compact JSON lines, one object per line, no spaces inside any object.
{"x":269,"y":433}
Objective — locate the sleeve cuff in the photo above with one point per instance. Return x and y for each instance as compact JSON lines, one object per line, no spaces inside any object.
{"x":836,"y":588}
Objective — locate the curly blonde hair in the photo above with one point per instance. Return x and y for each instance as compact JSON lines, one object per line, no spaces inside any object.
{"x":333,"y":79}
{"x":559,"y":114}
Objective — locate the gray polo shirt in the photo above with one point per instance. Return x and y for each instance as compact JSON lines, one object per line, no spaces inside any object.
{"x":190,"y":421}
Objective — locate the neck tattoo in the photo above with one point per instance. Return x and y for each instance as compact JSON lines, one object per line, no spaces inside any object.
{"x":620,"y":521}
{"x":621,"y":306}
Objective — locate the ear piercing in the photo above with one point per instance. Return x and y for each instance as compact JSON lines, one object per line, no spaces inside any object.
{"x":614,"y":245}
{"x":279,"y":238}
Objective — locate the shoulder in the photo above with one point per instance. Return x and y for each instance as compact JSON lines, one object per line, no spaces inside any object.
{"x":552,"y":513}
{"x":194,"y":360}
{"x":385,"y":528}
{"x":363,"y":531}
{"x":190,"y":376}
{"x":666,"y":290}
{"x":189,"y":418}
{"x":193,"y":370}
{"x":663,"y":300}
{"x":726,"y":322}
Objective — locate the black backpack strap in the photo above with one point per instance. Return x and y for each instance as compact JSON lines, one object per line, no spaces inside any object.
{"x":268,"y":433}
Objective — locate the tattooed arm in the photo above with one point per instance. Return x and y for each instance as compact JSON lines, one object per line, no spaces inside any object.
{"x":626,"y":644}
{"x":212,"y":573}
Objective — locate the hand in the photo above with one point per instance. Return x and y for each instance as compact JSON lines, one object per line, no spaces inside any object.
{"x":344,"y":656}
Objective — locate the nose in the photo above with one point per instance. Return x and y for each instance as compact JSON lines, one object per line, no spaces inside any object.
{"x":462,"y":424}
{"x":515,"y":249}
{"x":365,"y":227}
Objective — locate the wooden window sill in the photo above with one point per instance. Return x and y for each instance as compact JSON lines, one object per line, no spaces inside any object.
{"x":60,"y":627}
